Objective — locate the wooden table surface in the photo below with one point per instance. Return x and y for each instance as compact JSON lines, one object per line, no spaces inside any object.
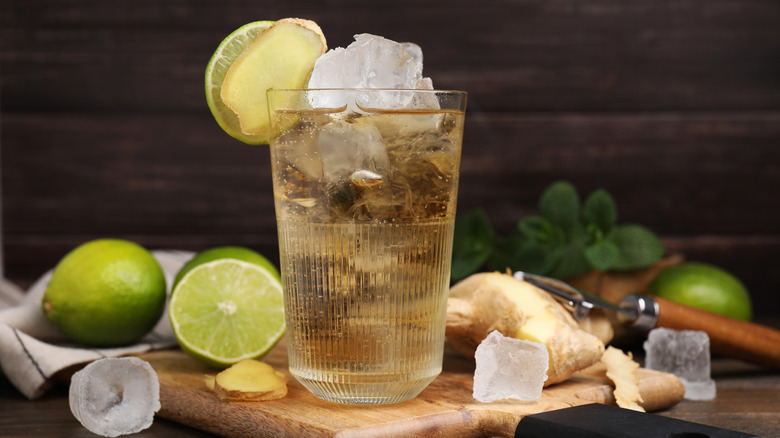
{"x":748,"y":400}
{"x":670,"y":105}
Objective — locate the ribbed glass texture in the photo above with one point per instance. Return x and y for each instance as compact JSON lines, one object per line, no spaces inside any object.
{"x":365,"y":201}
{"x":365,"y":307}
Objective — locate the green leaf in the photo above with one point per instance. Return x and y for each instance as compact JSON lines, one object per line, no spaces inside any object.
{"x":578,"y":236}
{"x":638,"y":247}
{"x":602,"y":255}
{"x":473,"y":232}
{"x":593,"y":233}
{"x":474,"y":240}
{"x":519,"y":253}
{"x":600,"y":209}
{"x":462,"y":267}
{"x":560,"y":204}
{"x":571,"y":261}
{"x":539,"y":229}
{"x":557,"y":242}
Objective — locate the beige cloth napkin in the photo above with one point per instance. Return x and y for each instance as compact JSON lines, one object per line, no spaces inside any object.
{"x":32,"y":349}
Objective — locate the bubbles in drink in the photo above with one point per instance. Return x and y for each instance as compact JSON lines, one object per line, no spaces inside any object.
{"x":365,"y":206}
{"x":365,"y":183}
{"x":399,"y":165}
{"x":344,"y":147}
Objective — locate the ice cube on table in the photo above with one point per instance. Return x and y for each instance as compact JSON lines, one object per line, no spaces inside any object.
{"x":369,"y":62}
{"x":684,"y":353}
{"x":115,"y":396}
{"x":700,"y":390}
{"x":509,"y":368}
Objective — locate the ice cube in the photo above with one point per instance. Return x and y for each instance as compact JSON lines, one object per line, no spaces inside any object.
{"x":684,"y":353}
{"x":355,"y":164}
{"x":699,"y":390}
{"x":345,"y":148}
{"x":297,"y":147}
{"x":509,"y":368}
{"x":369,"y":62}
{"x":415,"y":52}
{"x":115,"y":396}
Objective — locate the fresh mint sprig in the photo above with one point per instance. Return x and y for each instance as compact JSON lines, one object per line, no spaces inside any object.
{"x":567,"y":238}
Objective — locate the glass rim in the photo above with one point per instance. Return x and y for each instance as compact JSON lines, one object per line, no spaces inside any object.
{"x":410,"y":90}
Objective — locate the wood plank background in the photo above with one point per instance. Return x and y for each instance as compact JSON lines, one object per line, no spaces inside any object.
{"x":671,"y":105}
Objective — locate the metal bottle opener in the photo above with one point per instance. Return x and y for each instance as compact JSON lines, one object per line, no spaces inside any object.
{"x":729,"y":337}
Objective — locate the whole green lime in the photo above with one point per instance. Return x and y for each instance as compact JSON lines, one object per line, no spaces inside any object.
{"x":226,"y":252}
{"x":705,"y":287}
{"x":106,"y":293}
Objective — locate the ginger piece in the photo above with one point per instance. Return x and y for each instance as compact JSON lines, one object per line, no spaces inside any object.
{"x":248,"y":380}
{"x":485,"y":302}
{"x":621,"y":369}
{"x":282,"y":56}
{"x":210,"y":380}
{"x":598,"y":323}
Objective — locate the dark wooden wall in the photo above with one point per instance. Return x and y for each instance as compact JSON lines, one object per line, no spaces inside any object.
{"x":671,"y":105}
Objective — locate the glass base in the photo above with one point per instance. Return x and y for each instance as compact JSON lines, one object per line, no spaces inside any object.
{"x":371,"y":393}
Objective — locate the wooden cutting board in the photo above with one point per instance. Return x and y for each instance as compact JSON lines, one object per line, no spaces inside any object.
{"x":445,"y":408}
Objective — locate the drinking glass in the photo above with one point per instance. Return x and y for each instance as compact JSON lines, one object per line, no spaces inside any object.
{"x":365,"y":187}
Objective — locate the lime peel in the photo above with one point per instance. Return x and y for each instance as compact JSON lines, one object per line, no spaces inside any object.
{"x":218,"y":65}
{"x":106,"y":293}
{"x":282,"y":55}
{"x":704,"y":286}
{"x":226,"y":252}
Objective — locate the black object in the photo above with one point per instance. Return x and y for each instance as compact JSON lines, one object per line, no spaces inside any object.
{"x":597,"y":420}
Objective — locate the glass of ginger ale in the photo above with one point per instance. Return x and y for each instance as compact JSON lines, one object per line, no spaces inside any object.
{"x":365,"y":187}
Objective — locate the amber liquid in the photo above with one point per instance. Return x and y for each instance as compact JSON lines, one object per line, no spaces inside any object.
{"x":366,"y":242}
{"x":365,"y":307}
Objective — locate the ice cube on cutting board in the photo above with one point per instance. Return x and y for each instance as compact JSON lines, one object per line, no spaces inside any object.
{"x":509,"y":368}
{"x":684,"y":353}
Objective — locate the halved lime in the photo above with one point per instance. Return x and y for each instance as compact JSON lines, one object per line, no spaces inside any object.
{"x":227,"y":310}
{"x":226,"y":252}
{"x":217,"y":68}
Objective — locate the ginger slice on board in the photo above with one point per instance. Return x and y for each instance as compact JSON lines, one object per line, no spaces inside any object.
{"x":248,"y":380}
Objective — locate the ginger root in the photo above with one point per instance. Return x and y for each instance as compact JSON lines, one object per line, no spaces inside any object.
{"x":485,"y":302}
{"x":599,"y":324}
{"x":248,"y":380}
{"x":621,"y":369}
